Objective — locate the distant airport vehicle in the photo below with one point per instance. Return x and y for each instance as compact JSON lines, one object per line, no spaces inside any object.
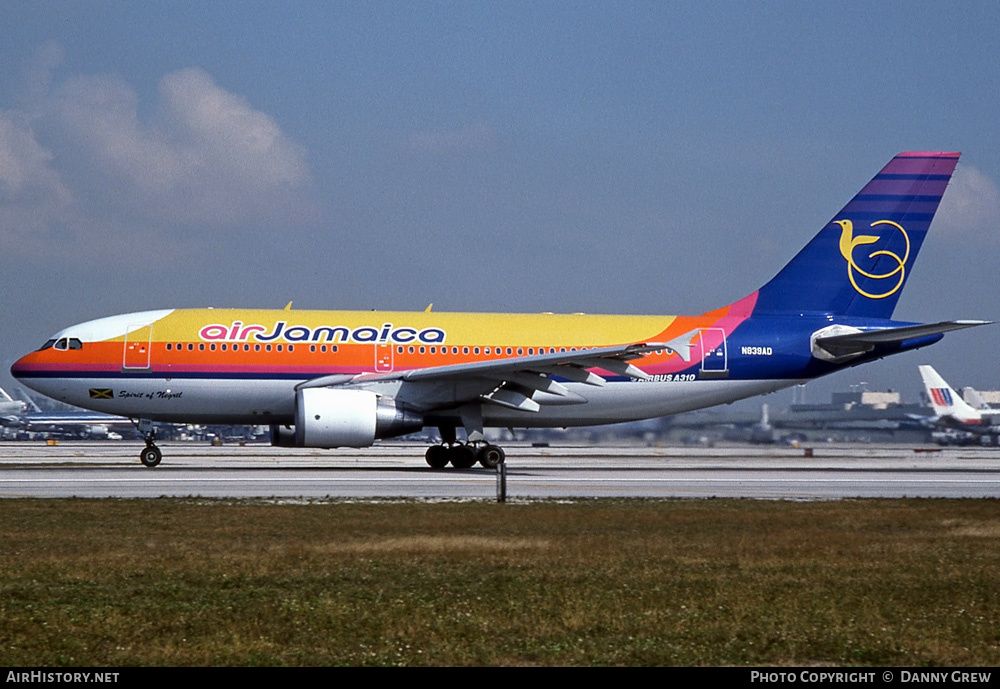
{"x":951,"y":411}
{"x":76,"y":423}
{"x":348,"y":378}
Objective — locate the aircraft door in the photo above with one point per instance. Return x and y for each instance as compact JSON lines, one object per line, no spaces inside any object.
{"x":714,"y":355}
{"x":138,"y":346}
{"x":383,"y":358}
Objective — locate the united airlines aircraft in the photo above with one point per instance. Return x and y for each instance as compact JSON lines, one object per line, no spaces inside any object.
{"x":951,"y":410}
{"x":348,"y":378}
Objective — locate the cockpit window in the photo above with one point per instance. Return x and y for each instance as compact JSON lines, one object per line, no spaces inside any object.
{"x":45,"y":346}
{"x":64,"y":343}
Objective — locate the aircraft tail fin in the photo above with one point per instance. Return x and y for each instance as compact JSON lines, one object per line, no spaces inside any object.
{"x":945,"y":401}
{"x":860,"y":261}
{"x":4,"y":396}
{"x":30,"y":402}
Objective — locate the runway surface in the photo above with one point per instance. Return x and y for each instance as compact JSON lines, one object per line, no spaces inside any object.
{"x":112,"y":469}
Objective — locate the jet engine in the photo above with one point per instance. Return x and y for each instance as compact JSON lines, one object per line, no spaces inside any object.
{"x":332,"y":417}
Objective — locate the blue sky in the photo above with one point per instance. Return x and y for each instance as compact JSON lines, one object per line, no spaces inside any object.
{"x":605,"y":157}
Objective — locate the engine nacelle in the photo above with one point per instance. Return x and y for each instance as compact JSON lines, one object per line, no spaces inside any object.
{"x":332,"y":417}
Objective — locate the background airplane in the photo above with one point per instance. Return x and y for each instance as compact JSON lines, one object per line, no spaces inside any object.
{"x":338,"y":378}
{"x":953,"y":412}
{"x":10,"y":408}
{"x":77,"y":423}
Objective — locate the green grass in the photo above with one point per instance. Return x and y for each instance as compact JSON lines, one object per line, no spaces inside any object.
{"x":707,"y":582}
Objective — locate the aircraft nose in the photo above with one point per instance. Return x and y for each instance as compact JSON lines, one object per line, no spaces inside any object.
{"x":21,"y":368}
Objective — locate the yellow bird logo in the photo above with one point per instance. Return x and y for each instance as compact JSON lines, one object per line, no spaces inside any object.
{"x":848,"y":243}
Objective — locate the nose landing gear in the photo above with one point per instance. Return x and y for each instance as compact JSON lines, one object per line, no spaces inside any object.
{"x":151,"y":454}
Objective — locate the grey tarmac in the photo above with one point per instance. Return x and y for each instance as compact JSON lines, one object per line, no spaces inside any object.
{"x":397,"y":470}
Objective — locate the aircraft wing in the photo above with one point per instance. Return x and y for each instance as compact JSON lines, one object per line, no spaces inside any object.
{"x":514,"y":382}
{"x":863,"y":342}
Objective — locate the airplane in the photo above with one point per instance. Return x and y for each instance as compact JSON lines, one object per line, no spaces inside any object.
{"x":78,"y":422}
{"x":10,"y":408}
{"x":954,"y":412}
{"x":323,"y":379}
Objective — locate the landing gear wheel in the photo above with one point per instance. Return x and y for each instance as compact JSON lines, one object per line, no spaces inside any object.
{"x":150,"y":456}
{"x":462,"y":456}
{"x":437,"y":456}
{"x":491,"y":456}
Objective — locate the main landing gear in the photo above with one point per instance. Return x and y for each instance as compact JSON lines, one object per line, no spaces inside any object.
{"x":464,"y":456}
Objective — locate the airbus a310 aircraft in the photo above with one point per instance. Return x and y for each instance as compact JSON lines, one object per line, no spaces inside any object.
{"x":348,"y":378}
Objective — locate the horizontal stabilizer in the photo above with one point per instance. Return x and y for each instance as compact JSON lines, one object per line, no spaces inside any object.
{"x":838,"y":346}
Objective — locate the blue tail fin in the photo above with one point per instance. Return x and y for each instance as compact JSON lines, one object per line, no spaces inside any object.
{"x":859,"y":263}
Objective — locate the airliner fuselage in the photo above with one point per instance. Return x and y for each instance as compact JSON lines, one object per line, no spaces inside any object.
{"x":347,"y":378}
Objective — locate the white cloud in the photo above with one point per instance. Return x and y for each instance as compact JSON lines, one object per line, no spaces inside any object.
{"x":971,"y":205}
{"x":83,"y":164}
{"x":33,"y":198}
{"x":224,"y":132}
{"x":24,"y":165}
